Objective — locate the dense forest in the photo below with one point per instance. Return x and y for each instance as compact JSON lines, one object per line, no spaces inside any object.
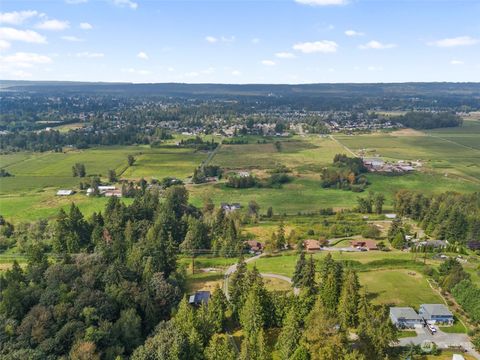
{"x":450,"y":216}
{"x":428,"y":120}
{"x":110,"y":287}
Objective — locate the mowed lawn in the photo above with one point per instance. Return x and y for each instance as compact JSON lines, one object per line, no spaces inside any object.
{"x":399,"y":288}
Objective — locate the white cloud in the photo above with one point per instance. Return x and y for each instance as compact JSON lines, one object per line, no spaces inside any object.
{"x":322,"y":2}
{"x":268,"y":63}
{"x":225,"y":39}
{"x":255,"y":40}
{"x":136,"y":71}
{"x":90,"y":55}
{"x":457,"y":41}
{"x":170,"y":69}
{"x":71,"y":38}
{"x":86,"y":26}
{"x":142,"y":55}
{"x":323,"y":46}
{"x":17,"y":17}
{"x":211,"y":39}
{"x":374,"y":68}
{"x":125,"y":3}
{"x":208,"y":71}
{"x":29,"y":36}
{"x":20,"y":74}
{"x":55,"y":25}
{"x":457,"y":62}
{"x":4,"y":45}
{"x":353,"y":33}
{"x":376,"y":45}
{"x":236,"y":73}
{"x":24,"y":60}
{"x":285,"y":55}
{"x":191,"y":74}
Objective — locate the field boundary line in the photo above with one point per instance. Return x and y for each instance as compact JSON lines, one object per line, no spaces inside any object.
{"x":453,"y":142}
{"x":344,"y":146}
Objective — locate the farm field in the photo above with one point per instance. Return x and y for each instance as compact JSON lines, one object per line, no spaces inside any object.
{"x":305,"y":194}
{"x":30,"y":193}
{"x":449,"y":151}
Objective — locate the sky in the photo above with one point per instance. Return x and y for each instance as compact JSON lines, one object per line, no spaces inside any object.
{"x":240,"y":41}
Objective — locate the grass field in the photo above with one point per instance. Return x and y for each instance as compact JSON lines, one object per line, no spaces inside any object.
{"x":30,"y":193}
{"x":447,"y":166}
{"x":398,"y":288}
{"x":453,"y":152}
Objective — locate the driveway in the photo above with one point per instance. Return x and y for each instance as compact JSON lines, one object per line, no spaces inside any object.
{"x":231,"y":269}
{"x":441,"y":339}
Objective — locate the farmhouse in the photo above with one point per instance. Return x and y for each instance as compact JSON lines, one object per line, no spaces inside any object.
{"x":102,"y":189}
{"x":365,"y":244}
{"x":65,"y":192}
{"x":311,"y":245}
{"x":230,"y":207}
{"x":436,"y":313}
{"x":254,"y":245}
{"x":199,"y":298}
{"x":404,"y":317}
{"x":116,"y":192}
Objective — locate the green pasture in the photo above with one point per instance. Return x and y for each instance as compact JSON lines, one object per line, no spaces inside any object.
{"x":30,"y":193}
{"x":301,"y":154}
{"x":305,"y":194}
{"x":450,"y":152}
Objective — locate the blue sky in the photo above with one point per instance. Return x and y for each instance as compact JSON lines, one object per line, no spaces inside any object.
{"x":243,"y":41}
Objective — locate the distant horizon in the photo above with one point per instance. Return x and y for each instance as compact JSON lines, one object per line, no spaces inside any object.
{"x":251,"y":84}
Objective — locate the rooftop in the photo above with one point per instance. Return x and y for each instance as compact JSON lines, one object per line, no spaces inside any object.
{"x":404,"y":313}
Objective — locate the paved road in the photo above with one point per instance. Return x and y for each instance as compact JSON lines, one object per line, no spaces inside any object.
{"x":442,"y":340}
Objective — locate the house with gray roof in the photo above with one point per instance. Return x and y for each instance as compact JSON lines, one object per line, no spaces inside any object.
{"x":436,"y":313}
{"x":404,"y":317}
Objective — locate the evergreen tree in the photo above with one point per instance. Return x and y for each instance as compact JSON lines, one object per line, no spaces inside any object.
{"x":290,"y":336}
{"x":300,"y":268}
{"x":237,"y":288}
{"x":220,"y":348}
{"x":216,"y":309}
{"x":349,"y":297}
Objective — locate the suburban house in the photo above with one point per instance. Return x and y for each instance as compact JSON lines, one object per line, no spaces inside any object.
{"x":365,"y":244}
{"x":116,"y":192}
{"x":311,"y":245}
{"x":405,"y":317}
{"x":65,"y":192}
{"x":199,"y":298}
{"x":254,"y":245}
{"x":436,"y":313}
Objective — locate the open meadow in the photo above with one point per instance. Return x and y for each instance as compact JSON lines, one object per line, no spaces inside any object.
{"x":30,"y":193}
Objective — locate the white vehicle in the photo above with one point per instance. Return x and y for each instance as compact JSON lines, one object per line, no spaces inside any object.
{"x":432,"y":329}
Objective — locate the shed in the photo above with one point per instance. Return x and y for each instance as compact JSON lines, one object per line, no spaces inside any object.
{"x":199,"y":298}
{"x":65,"y":192}
{"x":311,"y":245}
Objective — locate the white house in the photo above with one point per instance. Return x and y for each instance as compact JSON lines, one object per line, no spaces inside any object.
{"x":65,"y":192}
